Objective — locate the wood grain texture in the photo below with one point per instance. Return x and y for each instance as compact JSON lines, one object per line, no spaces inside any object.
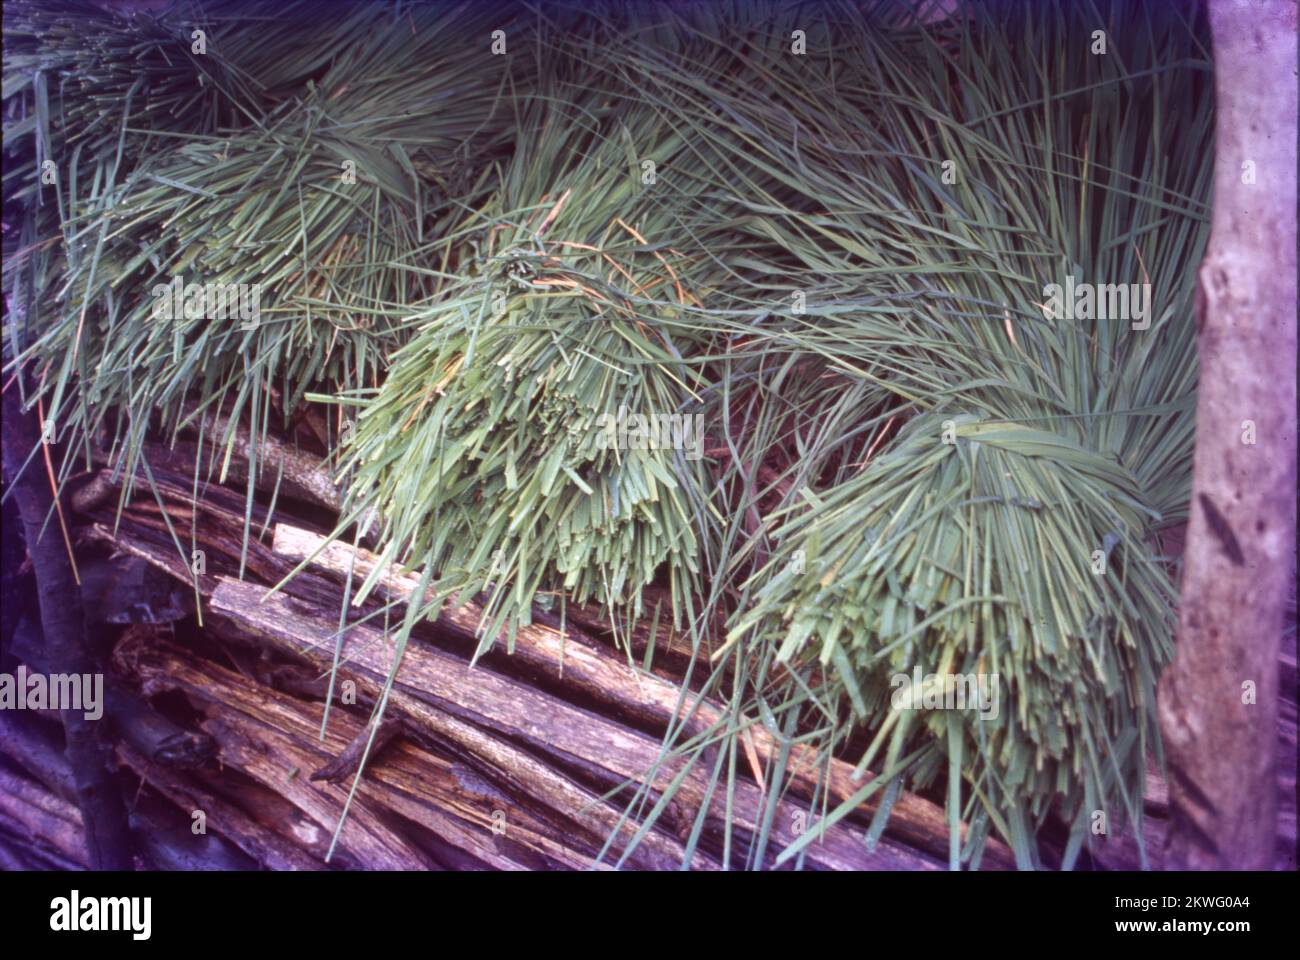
{"x":1240,"y":553}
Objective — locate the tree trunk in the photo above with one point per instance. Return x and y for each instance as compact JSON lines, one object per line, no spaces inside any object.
{"x":103,"y":812}
{"x":1218,"y":701}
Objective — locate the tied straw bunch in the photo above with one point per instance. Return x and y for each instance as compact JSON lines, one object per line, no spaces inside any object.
{"x":824,"y":231}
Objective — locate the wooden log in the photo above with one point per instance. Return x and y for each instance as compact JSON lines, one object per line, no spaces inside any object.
{"x":25,"y":742}
{"x":278,"y":762}
{"x":270,"y":848}
{"x":488,"y":700}
{"x":281,"y":627}
{"x":46,"y":821}
{"x":441,"y":795}
{"x":299,"y":473}
{"x":272,"y":812}
{"x":601,"y":674}
{"x":160,"y":833}
{"x":17,"y":855}
{"x":157,"y":549}
{"x":134,"y":721}
{"x":166,"y":838}
{"x":66,"y":645}
{"x":305,"y":477}
{"x":163,"y":742}
{"x":672,"y":650}
{"x":365,"y":743}
{"x":261,"y":753}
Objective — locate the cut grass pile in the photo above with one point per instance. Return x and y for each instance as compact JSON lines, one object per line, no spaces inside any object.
{"x":814,"y":242}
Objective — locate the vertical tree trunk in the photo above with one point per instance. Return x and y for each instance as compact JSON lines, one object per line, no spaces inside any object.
{"x":102,"y":810}
{"x":1218,"y":701}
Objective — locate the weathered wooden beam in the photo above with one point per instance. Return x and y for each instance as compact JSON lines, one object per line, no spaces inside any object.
{"x":271,"y":848}
{"x":601,"y":674}
{"x":287,"y":630}
{"x":487,"y":700}
{"x":441,"y":795}
{"x":33,"y":812}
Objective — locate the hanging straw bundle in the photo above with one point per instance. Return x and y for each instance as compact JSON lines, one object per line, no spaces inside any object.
{"x":815,"y":243}
{"x":1002,"y":528}
{"x":308,"y":212}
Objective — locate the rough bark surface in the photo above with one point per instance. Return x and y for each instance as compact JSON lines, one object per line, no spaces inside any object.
{"x":99,"y":799}
{"x":1218,"y":701}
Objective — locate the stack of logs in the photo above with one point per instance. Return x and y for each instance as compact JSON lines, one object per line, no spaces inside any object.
{"x":513,"y":761}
